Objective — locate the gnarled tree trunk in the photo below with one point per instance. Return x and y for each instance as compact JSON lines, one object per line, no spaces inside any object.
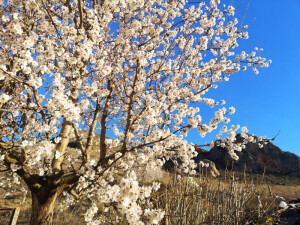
{"x":43,"y":206}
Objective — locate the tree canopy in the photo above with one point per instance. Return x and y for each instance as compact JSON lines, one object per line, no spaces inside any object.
{"x":132,"y":68}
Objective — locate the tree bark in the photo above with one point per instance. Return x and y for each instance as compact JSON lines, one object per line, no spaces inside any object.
{"x":43,"y":206}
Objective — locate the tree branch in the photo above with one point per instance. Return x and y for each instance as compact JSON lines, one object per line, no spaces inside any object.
{"x":62,"y":145}
{"x":80,"y":13}
{"x":53,"y":23}
{"x":130,"y":106}
{"x":103,"y":124}
{"x":91,"y":132}
{"x":78,"y":138}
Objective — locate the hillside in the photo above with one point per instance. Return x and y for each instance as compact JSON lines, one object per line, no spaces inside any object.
{"x":269,"y":159}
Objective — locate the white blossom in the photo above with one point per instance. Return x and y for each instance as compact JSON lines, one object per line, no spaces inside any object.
{"x":4,"y":98}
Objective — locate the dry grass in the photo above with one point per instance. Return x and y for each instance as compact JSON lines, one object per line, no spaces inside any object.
{"x":233,"y":198}
{"x":210,"y":201}
{"x":286,"y":192}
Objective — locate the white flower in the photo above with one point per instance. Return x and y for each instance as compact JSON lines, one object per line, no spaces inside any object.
{"x":57,"y":155}
{"x":16,"y":28}
{"x":5,"y":18}
{"x":14,"y":167}
{"x":125,"y":202}
{"x":244,"y":129}
{"x":89,"y":215}
{"x":154,"y":216}
{"x":232,"y":110}
{"x":25,"y":143}
{"x":27,"y":70}
{"x":4,"y":98}
{"x":156,"y":186}
{"x":231,"y":10}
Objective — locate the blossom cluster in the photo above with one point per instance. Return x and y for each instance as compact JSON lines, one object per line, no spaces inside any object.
{"x":127,"y":195}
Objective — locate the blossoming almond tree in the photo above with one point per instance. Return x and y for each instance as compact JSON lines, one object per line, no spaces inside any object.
{"x":133,"y":67}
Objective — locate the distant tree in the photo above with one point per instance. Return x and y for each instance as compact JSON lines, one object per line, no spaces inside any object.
{"x":133,"y":67}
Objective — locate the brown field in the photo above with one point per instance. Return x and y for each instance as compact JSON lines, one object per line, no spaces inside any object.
{"x":232,"y":198}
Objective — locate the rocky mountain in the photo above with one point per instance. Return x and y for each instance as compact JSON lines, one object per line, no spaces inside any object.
{"x":269,"y":159}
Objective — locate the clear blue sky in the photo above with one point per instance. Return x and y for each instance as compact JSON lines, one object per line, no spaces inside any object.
{"x":271,"y":100}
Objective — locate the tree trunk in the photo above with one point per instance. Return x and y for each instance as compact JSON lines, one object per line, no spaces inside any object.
{"x":43,"y":206}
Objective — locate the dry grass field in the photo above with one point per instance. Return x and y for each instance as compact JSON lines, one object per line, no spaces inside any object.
{"x":232,"y":198}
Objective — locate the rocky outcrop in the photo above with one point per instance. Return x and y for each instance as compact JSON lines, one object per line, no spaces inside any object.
{"x":269,"y":159}
{"x":211,"y":168}
{"x":207,"y":167}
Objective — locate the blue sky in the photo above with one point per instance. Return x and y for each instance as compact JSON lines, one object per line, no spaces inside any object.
{"x":271,"y":100}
